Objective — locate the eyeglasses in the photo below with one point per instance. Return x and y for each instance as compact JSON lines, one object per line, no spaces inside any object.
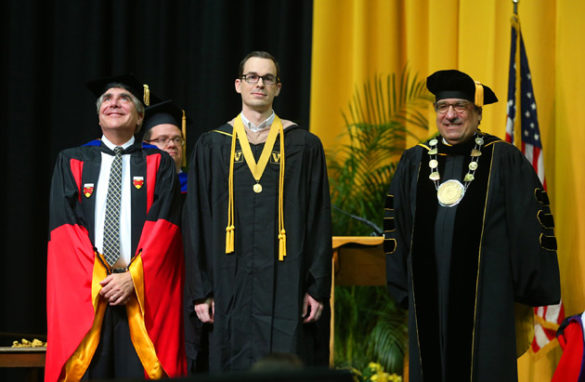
{"x":459,"y":107}
{"x":253,"y":78}
{"x":163,"y":141}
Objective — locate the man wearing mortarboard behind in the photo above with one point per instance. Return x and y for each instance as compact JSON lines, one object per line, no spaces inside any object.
{"x":468,"y":234}
{"x":258,"y":231}
{"x":165,"y":127}
{"x":114,"y":264}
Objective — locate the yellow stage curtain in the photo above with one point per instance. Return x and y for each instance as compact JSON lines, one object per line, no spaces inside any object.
{"x":355,"y":39}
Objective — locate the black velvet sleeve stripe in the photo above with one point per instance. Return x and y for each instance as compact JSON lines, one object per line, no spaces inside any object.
{"x":541,"y":196}
{"x":548,"y":242}
{"x":389,"y":224}
{"x":545,"y":219}
{"x":389,"y":202}
{"x":389,"y":246}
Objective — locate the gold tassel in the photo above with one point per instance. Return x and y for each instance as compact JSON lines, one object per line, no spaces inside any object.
{"x":184,"y":130}
{"x":478,"y":94}
{"x":229,"y":239}
{"x":282,"y":245}
{"x":146,"y":95}
{"x":230,"y":229}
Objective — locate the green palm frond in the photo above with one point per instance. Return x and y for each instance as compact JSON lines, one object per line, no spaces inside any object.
{"x":378,"y":120}
{"x":368,"y":327}
{"x":387,"y":340}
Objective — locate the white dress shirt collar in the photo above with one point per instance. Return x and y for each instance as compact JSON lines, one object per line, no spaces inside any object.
{"x":261,"y":126}
{"x":112,"y":146}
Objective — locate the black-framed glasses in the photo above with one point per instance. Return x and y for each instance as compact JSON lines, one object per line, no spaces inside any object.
{"x":253,"y":78}
{"x":163,"y":141}
{"x":459,"y":106}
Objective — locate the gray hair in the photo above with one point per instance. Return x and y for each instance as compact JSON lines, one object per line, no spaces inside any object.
{"x":137,"y":103}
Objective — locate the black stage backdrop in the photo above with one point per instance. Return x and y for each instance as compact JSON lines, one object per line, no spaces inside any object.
{"x":185,"y":50}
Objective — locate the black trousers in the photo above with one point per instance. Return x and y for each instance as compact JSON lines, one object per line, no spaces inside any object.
{"x":196,"y":342}
{"x":115,"y":355}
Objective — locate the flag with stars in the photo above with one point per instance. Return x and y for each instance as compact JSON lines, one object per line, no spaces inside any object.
{"x":522,"y":130}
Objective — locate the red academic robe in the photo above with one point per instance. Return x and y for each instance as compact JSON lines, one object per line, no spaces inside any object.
{"x":74,"y":269}
{"x":571,"y":367}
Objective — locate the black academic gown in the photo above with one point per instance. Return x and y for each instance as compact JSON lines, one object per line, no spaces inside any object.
{"x":460,"y":270}
{"x":258,"y":299}
{"x":196,"y":343}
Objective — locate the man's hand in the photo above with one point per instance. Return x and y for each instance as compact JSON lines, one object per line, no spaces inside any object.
{"x":311,"y":307}
{"x":205,"y":310}
{"x":117,"y":288}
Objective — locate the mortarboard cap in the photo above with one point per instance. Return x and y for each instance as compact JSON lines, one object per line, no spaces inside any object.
{"x":100,"y":85}
{"x":162,"y":112}
{"x":456,"y":84}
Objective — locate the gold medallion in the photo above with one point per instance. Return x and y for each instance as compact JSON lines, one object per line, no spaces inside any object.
{"x":435,"y":176}
{"x":450,"y":193}
{"x":475,"y":153}
{"x":257,"y":188}
{"x":473,"y":165}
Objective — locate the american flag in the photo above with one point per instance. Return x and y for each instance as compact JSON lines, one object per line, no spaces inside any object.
{"x":523,"y":122}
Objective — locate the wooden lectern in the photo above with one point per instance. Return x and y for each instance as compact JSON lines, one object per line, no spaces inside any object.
{"x":357,"y":260}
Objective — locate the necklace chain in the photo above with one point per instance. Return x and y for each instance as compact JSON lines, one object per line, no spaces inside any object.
{"x":435,"y":177}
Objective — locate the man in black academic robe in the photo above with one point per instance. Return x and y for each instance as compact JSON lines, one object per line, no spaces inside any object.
{"x":468,"y":233}
{"x":258,"y":247}
{"x":165,"y":126}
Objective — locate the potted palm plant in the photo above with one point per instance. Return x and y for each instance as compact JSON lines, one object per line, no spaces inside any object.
{"x":369,"y":326}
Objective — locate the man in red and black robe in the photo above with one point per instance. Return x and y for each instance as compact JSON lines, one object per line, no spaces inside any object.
{"x":123,"y":319}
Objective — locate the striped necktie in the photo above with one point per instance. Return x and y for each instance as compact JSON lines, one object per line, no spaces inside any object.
{"x":112,"y":220}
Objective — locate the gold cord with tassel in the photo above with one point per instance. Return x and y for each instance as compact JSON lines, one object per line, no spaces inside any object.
{"x":257,"y":170}
{"x":146,"y":95}
{"x":281,"y":230}
{"x":184,"y":131}
{"x":229,"y":230}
